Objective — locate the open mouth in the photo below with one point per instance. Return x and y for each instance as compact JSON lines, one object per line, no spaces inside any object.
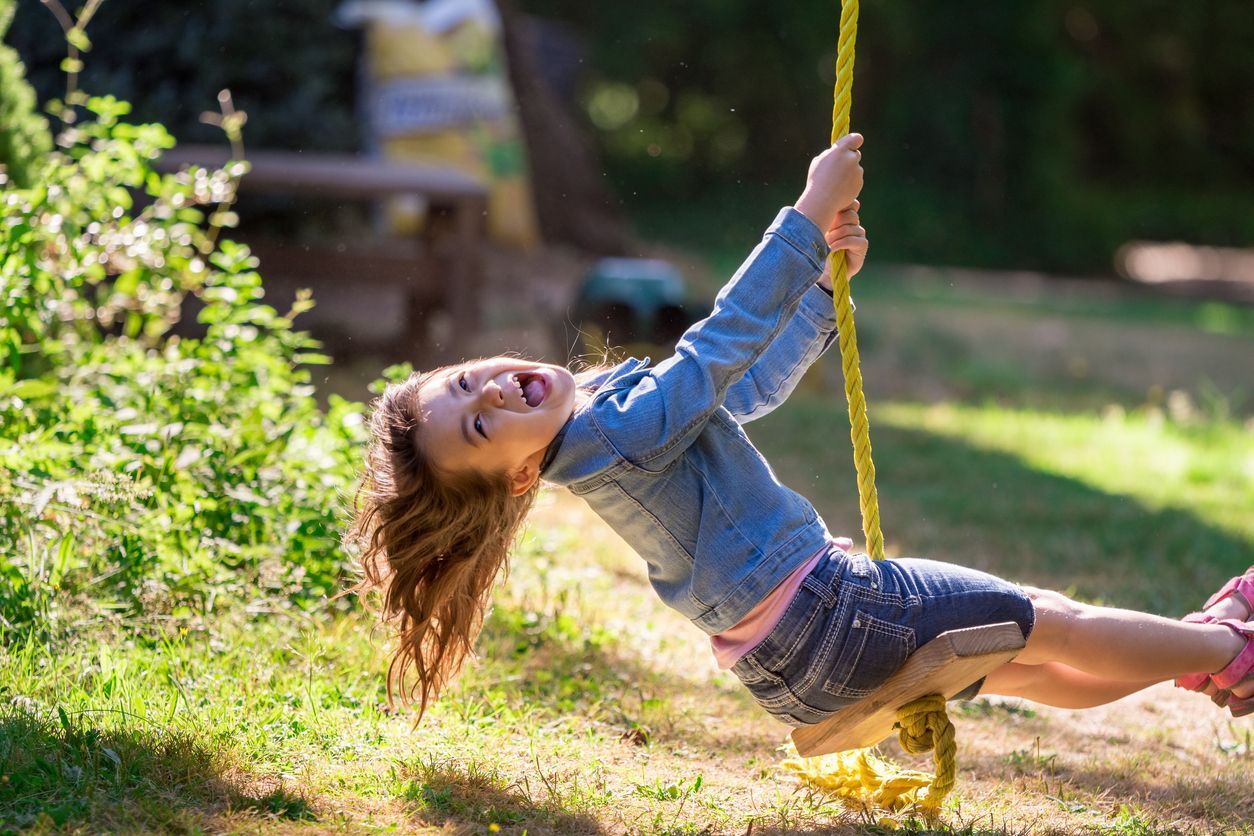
{"x":535,"y":388}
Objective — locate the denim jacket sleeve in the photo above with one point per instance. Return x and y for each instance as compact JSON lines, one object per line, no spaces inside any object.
{"x":770,"y":381}
{"x":652,"y":421}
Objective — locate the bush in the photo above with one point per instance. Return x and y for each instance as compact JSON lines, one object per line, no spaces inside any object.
{"x":140,"y":472}
{"x":24,"y":137}
{"x":291,"y":67}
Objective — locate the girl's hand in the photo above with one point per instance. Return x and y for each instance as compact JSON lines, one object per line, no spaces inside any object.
{"x":849,"y":235}
{"x":834,"y":181}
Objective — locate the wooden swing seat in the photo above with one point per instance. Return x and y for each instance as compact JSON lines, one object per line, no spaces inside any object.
{"x":946,"y":665}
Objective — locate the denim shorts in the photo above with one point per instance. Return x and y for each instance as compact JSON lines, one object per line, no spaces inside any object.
{"x":855,"y":621}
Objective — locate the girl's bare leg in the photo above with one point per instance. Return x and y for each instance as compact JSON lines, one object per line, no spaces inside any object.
{"x":1056,"y":684}
{"x":1117,"y":644}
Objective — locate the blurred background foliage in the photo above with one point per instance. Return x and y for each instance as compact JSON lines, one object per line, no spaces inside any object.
{"x":24,"y":135}
{"x":1036,"y":134}
{"x":1028,"y":134}
{"x":288,"y":66}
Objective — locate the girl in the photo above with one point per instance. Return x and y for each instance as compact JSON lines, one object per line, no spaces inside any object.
{"x":659,"y":452}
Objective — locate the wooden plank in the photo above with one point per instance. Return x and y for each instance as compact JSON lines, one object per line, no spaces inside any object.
{"x":387,"y":262}
{"x":946,"y":665}
{"x":447,"y":271}
{"x":333,"y":175}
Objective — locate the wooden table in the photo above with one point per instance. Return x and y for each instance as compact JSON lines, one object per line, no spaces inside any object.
{"x":443,"y":269}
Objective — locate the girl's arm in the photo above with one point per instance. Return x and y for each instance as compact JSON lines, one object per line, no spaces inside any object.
{"x":808,"y":335}
{"x":655,"y":415}
{"x":651,"y":417}
{"x":773,"y":378}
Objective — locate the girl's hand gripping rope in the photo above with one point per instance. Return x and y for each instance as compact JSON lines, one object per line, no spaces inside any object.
{"x":849,"y":235}
{"x":834,"y":181}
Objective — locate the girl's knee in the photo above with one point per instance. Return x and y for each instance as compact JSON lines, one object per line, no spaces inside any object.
{"x":1056,"y":615}
{"x":1053,"y":605}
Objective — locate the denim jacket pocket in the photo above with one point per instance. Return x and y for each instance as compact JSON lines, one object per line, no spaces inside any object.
{"x":872,"y":651}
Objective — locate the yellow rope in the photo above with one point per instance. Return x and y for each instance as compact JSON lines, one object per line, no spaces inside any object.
{"x":847,"y":335}
{"x":861,"y":778}
{"x":925,"y":727}
{"x":866,"y":782}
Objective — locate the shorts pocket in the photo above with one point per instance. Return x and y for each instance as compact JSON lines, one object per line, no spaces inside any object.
{"x":873,"y":650}
{"x":770,"y":692}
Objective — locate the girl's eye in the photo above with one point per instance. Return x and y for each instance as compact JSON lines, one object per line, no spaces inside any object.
{"x":461,"y":381}
{"x":479,"y":426}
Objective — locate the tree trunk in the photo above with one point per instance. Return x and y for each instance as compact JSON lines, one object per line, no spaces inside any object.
{"x":574,"y":203}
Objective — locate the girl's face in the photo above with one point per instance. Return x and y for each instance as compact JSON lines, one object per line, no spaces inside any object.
{"x":495,"y":415}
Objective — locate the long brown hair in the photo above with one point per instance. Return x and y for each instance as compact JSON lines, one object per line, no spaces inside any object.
{"x":431,"y":542}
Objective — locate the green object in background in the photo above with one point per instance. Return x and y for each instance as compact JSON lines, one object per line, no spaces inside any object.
{"x":633,"y":300}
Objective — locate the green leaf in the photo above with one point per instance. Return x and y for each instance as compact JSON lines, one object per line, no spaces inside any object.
{"x":127,"y":283}
{"x":59,"y":566}
{"x":33,"y":389}
{"x":79,"y":39}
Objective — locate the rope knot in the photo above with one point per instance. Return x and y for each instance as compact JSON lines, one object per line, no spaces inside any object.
{"x":925,"y":726}
{"x":922,"y":723}
{"x":864,"y":780}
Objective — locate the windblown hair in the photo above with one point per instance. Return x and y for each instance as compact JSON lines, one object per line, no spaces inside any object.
{"x":431,"y":542}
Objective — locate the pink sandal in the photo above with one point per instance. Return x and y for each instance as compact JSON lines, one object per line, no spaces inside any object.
{"x":1242,"y":585}
{"x":1239,"y":670}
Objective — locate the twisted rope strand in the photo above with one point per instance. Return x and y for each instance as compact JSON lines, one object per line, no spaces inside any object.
{"x":925,"y":726}
{"x":847,"y":335}
{"x":860,"y":777}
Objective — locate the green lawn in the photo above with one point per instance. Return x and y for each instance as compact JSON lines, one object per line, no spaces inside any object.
{"x":1017,"y":437}
{"x":1123,"y":509}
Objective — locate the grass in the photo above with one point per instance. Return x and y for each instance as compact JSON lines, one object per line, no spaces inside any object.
{"x":595,"y":709}
{"x":1124,"y":509}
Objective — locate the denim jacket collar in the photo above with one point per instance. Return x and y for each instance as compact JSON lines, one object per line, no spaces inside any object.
{"x":623,"y":374}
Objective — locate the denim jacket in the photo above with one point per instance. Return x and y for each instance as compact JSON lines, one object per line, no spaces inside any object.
{"x":659,"y":452}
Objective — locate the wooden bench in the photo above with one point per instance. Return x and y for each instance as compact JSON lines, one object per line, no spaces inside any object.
{"x":441,"y":270}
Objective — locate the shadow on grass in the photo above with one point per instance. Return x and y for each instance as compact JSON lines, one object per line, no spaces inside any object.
{"x":905,"y":827}
{"x":555,"y":668}
{"x":1221,"y":799}
{"x":466,"y":794}
{"x":983,"y":509}
{"x":947,"y":500}
{"x":68,"y":771}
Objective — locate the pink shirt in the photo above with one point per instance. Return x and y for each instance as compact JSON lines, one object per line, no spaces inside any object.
{"x":745,"y":634}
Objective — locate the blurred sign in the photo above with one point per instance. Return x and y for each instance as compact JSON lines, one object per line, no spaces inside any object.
{"x":435,"y":104}
{"x":438,"y":91}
